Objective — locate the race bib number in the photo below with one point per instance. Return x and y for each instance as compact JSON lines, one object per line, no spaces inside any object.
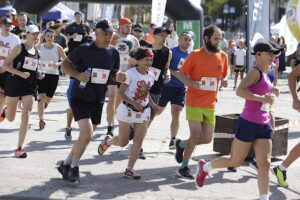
{"x":208,"y":83}
{"x":78,"y":38}
{"x":181,"y":61}
{"x":134,"y":117}
{"x":156,"y":72}
{"x":124,"y":58}
{"x":99,"y":76}
{"x":265,"y":107}
{"x":4,"y":52}
{"x":30,"y":64}
{"x":48,"y":65}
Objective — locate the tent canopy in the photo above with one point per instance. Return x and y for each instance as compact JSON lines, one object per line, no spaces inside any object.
{"x":59,"y":11}
{"x":5,"y":10}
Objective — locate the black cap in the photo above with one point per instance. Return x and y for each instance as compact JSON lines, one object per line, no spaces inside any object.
{"x":104,"y":25}
{"x":137,"y":27}
{"x":78,"y":13}
{"x":160,"y":30}
{"x":264,"y":46}
{"x":6,"y":20}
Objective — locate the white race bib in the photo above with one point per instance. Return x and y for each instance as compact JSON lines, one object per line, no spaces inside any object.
{"x":4,"y":51}
{"x":99,"y":76}
{"x":48,"y":65}
{"x":265,"y":107}
{"x":181,"y":61}
{"x":30,"y":63}
{"x":209,"y":83}
{"x":124,"y":58}
{"x":78,"y":38}
{"x":135,"y":117}
{"x":156,"y":72}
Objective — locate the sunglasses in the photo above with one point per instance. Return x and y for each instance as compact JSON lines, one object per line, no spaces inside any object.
{"x":137,"y":30}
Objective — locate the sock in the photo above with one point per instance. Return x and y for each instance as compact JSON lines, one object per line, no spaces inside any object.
{"x":182,"y":144}
{"x":68,"y":160}
{"x":75,"y":162}
{"x":207,"y":167}
{"x":282,"y":168}
{"x":110,"y":128}
{"x":264,"y":197}
{"x":184,"y":164}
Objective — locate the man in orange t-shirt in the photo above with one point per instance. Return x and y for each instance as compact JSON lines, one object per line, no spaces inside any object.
{"x":203,"y":72}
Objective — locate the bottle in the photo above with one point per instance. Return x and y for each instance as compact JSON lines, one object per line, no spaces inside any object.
{"x":82,"y":84}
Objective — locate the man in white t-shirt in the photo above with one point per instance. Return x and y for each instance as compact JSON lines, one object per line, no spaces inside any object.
{"x":239,"y":62}
{"x":8,"y":41}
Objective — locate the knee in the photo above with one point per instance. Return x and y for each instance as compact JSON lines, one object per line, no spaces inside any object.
{"x":87,"y":138}
{"x":123,"y":143}
{"x":264,"y":165}
{"x":10,"y":118}
{"x":206,"y":140}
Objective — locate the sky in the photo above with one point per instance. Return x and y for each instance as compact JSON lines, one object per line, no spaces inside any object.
{"x":195,"y":2}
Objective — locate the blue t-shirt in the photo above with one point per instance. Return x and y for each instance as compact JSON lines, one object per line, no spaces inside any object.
{"x":89,"y":55}
{"x":178,"y":58}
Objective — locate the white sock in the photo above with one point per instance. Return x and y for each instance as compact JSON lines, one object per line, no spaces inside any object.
{"x":264,"y":197}
{"x":207,"y":167}
{"x":282,"y":168}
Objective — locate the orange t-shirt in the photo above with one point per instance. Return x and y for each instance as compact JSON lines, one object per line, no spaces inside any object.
{"x":201,"y":64}
{"x":149,"y":38}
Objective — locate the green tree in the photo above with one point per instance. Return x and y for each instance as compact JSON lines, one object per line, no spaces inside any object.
{"x":213,"y":8}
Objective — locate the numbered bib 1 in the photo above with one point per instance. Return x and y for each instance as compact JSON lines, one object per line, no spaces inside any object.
{"x":78,"y":38}
{"x":156,"y":72}
{"x":124,"y":58}
{"x":48,"y":65}
{"x":99,"y":76}
{"x":209,"y":83}
{"x":135,"y":117}
{"x":4,"y":52}
{"x":30,"y":64}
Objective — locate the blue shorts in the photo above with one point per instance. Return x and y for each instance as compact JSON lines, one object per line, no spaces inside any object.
{"x":176,"y":95}
{"x":69,"y":91}
{"x":248,"y":131}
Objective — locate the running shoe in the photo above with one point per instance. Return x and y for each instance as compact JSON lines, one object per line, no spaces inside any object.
{"x":172,"y":144}
{"x":232,"y":169}
{"x":179,"y":152}
{"x":281,"y":176}
{"x":103,"y":146}
{"x":73,"y":175}
{"x":253,"y":165}
{"x":130,"y":173}
{"x":185,"y":173}
{"x":64,"y":170}
{"x":2,"y":116}
{"x":42,"y":124}
{"x":110,"y":131}
{"x":20,"y":153}
{"x":201,"y":174}
{"x":68,"y":135}
{"x":142,"y":155}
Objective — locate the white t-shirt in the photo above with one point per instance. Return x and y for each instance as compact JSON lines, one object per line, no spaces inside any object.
{"x":48,"y":59}
{"x":7,"y":44}
{"x":240,"y":55}
{"x":139,"y":86}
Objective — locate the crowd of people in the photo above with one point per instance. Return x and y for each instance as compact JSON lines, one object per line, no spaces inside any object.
{"x":142,"y":73}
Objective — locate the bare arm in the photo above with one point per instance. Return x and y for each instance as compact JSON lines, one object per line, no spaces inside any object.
{"x":67,"y":68}
{"x":292,"y":84}
{"x":185,"y":79}
{"x":61,"y":54}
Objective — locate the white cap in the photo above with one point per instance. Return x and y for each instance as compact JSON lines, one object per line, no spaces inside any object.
{"x":32,"y":29}
{"x":12,"y":11}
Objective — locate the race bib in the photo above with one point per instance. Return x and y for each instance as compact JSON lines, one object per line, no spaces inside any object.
{"x":78,"y":38}
{"x":4,"y":51}
{"x":265,"y":107}
{"x":156,"y":72}
{"x":124,"y":58}
{"x":30,"y":64}
{"x":48,"y":65}
{"x":134,"y":117}
{"x":99,"y":76}
{"x":208,"y":83}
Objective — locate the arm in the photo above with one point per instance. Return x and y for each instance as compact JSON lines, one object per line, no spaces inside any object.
{"x":292,"y":84}
{"x":275,"y":75}
{"x":124,"y":97}
{"x":185,"y":79}
{"x":168,"y":73}
{"x":61,"y":54}
{"x":67,"y":68}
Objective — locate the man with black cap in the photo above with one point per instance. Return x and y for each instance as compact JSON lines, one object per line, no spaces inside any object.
{"x":137,"y":31}
{"x":92,"y":65}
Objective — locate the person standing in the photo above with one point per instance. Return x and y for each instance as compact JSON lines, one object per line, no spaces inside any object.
{"x":203,"y":71}
{"x":91,"y":65}
{"x":239,"y":62}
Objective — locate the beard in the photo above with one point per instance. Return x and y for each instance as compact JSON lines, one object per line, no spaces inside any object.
{"x":212,"y":48}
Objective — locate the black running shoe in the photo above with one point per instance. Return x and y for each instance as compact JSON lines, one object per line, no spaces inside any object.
{"x":232,"y":169}
{"x":68,"y":135}
{"x":73,"y":175}
{"x":64,"y":170}
{"x":185,"y":173}
{"x":179,"y":152}
{"x":110,"y":131}
{"x":142,"y":155}
{"x":172,"y":145}
{"x":130,"y":173}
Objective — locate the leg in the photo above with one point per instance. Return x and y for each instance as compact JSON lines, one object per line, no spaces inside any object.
{"x":175,"y":112}
{"x":2,"y":99}
{"x":242,"y":75}
{"x":27,"y":102}
{"x":41,"y":105}
{"x":111,"y":105}
{"x":235,"y":79}
{"x":123,"y":138}
{"x":293,"y":155}
{"x":69,"y":117}
{"x":10,"y":112}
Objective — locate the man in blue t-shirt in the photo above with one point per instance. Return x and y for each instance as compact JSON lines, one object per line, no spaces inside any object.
{"x":174,"y":91}
{"x":92,"y":65}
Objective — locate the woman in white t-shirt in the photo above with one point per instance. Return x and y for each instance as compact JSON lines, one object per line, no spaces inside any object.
{"x":239,"y":62}
{"x":135,"y":108}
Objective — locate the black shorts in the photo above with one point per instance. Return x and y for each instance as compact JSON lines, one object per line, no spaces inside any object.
{"x":176,"y":95}
{"x":3,"y":77}
{"x":155,"y":98}
{"x":16,"y":86}
{"x":48,"y":85}
{"x":86,"y":110}
{"x":239,"y":68}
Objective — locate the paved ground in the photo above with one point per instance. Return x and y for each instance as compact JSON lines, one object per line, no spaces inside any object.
{"x":101,"y":177}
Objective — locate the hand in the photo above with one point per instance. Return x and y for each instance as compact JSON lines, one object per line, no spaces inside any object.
{"x":296,"y":105}
{"x":83,"y":77}
{"x":138,"y":106}
{"x":155,"y":107}
{"x":121,"y":77}
{"x":25,"y":75}
{"x":196,"y":84}
{"x":1,"y":70}
{"x":224,"y":82}
{"x":276,"y":91}
{"x":40,"y":75}
{"x":268,"y":99}
{"x":167,"y":78}
{"x":73,"y":35}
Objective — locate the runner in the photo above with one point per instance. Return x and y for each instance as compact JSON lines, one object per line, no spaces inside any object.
{"x":203,"y":71}
{"x":134,"y":110}
{"x":239,"y":62}
{"x":253,"y":126}
{"x":101,"y":62}
{"x":174,"y":91}
{"x":50,"y":54}
{"x":22,"y":63}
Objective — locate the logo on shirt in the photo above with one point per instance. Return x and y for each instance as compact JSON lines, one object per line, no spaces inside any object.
{"x":142,"y":91}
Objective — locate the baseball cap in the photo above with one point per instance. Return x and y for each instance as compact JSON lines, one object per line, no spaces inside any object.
{"x":12,"y":11}
{"x":6,"y":20}
{"x":78,"y":13}
{"x":137,"y":27}
{"x":124,"y":21}
{"x":104,"y":25}
{"x":141,"y":53}
{"x":160,"y":30}
{"x":264,"y":46}
{"x":32,"y":29}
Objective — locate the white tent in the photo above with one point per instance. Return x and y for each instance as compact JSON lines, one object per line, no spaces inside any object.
{"x":59,"y":11}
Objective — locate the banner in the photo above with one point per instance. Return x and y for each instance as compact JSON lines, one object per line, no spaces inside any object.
{"x":258,"y":25}
{"x":158,"y":12}
{"x":190,"y":25}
